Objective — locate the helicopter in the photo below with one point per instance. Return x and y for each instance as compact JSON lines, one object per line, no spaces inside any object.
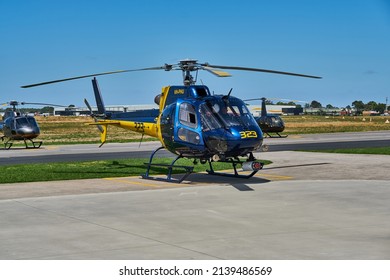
{"x":269,"y":123}
{"x":191,"y":122}
{"x":20,"y":127}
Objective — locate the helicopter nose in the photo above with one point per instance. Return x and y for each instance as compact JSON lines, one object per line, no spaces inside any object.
{"x":223,"y":145}
{"x":217,"y":144}
{"x":27,"y":131}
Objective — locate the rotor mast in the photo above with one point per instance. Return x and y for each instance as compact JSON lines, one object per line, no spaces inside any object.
{"x":187,"y":66}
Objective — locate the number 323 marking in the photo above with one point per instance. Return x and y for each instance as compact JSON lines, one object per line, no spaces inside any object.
{"x":248,"y":134}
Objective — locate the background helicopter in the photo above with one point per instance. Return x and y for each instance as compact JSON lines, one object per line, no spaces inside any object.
{"x":271,"y":124}
{"x":191,"y":122}
{"x":17,"y":126}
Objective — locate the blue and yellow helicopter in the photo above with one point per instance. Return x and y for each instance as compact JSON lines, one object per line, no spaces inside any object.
{"x":191,"y":122}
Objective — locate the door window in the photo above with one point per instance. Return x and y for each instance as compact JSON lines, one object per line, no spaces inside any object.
{"x":187,"y":115}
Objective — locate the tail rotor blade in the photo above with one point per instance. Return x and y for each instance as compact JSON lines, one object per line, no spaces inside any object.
{"x":88,"y":106}
{"x":93,"y":115}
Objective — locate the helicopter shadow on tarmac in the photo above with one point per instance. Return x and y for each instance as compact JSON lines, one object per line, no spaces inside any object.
{"x":242,"y":184}
{"x":238,"y":183}
{"x":299,"y":165}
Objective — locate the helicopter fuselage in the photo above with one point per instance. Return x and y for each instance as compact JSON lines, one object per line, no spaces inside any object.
{"x":270,"y":123}
{"x":209,"y":126}
{"x":195,"y":124}
{"x":20,"y":128}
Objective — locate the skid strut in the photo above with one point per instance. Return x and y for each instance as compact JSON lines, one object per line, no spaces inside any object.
{"x":187,"y":169}
{"x":278,"y":135}
{"x":250,"y":165}
{"x":35,"y":144}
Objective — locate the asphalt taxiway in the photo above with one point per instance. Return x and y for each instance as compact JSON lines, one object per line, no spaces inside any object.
{"x":302,"y":206}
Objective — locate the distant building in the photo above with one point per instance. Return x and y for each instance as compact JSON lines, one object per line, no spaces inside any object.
{"x":274,"y":109}
{"x":370,"y":113}
{"x":255,"y":109}
{"x":84,"y":111}
{"x":325,"y":111}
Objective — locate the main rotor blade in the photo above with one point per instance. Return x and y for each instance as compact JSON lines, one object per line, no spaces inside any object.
{"x":93,"y":75}
{"x":255,"y":99}
{"x":217,"y":72}
{"x":45,"y":104}
{"x":292,"y":100}
{"x":276,"y":99}
{"x":261,"y":70}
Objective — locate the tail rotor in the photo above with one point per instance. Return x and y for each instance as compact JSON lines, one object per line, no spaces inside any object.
{"x":92,"y":114}
{"x":102,"y":129}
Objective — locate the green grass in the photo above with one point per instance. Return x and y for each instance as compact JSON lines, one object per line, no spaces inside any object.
{"x":371,"y":151}
{"x":92,"y":169}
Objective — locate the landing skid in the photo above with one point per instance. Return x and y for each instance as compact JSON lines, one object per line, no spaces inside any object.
{"x":235,"y":174}
{"x":188,"y":169}
{"x":255,"y":167}
{"x":35,"y":144}
{"x":274,"y":136}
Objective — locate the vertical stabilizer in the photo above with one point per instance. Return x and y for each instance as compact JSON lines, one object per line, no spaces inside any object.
{"x":98,"y":97}
{"x":263,"y":107}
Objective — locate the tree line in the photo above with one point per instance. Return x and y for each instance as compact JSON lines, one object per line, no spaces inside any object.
{"x":44,"y":110}
{"x":358,"y":106}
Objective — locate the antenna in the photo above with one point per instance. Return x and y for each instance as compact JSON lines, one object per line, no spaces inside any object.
{"x":230,"y":91}
{"x":226,"y":97}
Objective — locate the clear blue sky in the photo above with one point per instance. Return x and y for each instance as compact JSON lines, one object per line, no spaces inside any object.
{"x":347,"y":42}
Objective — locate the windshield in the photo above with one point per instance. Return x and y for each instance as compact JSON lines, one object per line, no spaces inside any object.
{"x":25,"y":121}
{"x":22,"y":122}
{"x":219,"y":113}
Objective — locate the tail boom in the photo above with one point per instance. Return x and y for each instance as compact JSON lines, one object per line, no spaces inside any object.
{"x":150,"y":129}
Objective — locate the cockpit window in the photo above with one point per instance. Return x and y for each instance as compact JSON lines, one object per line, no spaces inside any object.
{"x":22,"y":122}
{"x":201,"y":92}
{"x":32,"y":121}
{"x":218,"y":113}
{"x":187,"y":115}
{"x":209,"y":116}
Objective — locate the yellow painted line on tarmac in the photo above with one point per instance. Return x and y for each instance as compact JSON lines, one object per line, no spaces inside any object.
{"x":274,"y":177}
{"x":49,"y":147}
{"x":133,"y":182}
